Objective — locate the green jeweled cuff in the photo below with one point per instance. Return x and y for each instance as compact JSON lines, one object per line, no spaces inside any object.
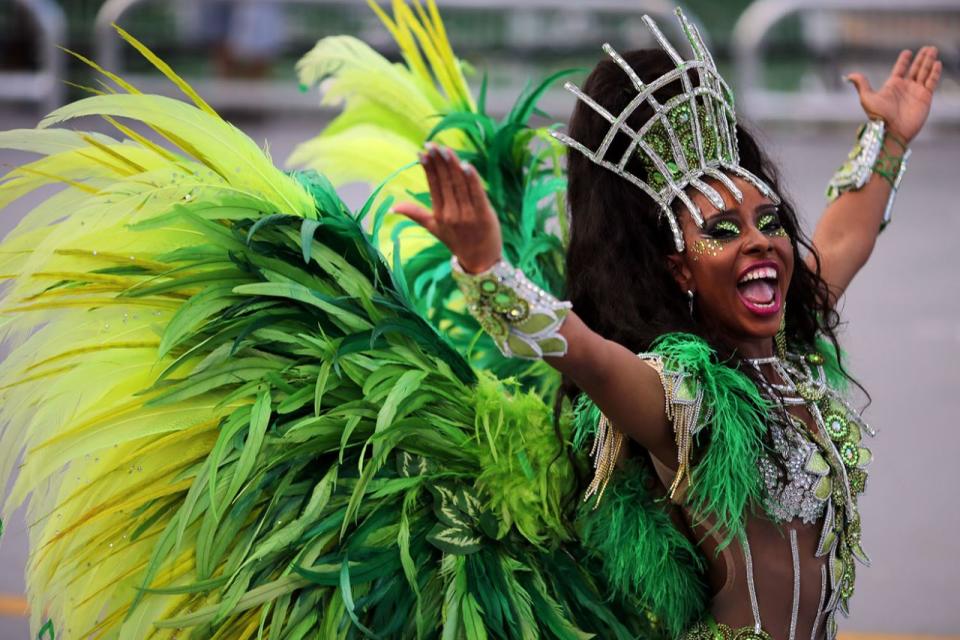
{"x":867,"y":157}
{"x":523,"y":319}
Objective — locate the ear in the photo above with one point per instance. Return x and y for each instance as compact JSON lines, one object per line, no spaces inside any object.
{"x":680,"y":270}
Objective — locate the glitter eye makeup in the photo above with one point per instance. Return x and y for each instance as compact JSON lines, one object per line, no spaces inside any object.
{"x":770,"y":224}
{"x":724,"y":230}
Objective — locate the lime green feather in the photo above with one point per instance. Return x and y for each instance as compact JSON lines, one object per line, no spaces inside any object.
{"x":389,"y":112}
{"x":268,"y":411}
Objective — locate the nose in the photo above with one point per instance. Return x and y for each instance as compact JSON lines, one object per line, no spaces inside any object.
{"x":756,"y":241}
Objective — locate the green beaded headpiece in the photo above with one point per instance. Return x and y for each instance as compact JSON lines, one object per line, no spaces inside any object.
{"x":691,"y":135}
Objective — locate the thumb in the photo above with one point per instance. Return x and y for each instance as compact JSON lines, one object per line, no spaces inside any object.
{"x":418,"y":214}
{"x":860,"y":82}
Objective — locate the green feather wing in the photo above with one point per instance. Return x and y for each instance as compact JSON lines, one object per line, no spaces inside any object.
{"x":234,"y":422}
{"x":389,"y":112}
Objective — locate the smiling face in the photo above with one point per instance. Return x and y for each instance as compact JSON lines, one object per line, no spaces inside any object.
{"x":739,"y":266}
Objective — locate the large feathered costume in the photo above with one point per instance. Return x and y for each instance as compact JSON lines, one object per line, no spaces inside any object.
{"x":233,"y":417}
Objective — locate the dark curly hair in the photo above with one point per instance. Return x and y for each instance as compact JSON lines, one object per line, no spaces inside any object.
{"x":618,"y":276}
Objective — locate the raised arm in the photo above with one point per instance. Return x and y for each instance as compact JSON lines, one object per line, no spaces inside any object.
{"x":625,"y":388}
{"x":847,"y":231}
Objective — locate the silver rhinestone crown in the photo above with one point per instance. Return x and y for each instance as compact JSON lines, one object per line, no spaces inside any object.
{"x":691,"y":135}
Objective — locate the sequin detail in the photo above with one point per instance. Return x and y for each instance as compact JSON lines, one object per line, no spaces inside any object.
{"x":835,"y":453}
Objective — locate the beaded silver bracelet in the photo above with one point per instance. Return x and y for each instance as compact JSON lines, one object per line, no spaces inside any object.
{"x":863,"y":162}
{"x":523,"y":319}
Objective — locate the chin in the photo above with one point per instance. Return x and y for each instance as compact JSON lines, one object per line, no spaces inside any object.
{"x":757,"y":322}
{"x":758,"y":331}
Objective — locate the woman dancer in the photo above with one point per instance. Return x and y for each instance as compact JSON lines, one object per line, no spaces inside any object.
{"x":678,"y":225}
{"x":281,"y":442}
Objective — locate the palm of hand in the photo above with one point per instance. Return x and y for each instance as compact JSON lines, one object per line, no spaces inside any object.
{"x":462,"y":217}
{"x":904,"y":100}
{"x":904,"y":104}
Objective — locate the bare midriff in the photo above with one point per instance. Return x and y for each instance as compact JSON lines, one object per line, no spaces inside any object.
{"x":789,"y":590}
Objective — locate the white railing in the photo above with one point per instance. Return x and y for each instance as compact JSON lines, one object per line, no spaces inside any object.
{"x":829,"y":102}
{"x":45,"y":85}
{"x":273,"y":95}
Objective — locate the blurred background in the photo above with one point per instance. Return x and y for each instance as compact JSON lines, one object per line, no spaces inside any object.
{"x":785,"y":60}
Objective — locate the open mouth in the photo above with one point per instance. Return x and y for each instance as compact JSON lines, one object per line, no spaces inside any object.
{"x":758,"y":289}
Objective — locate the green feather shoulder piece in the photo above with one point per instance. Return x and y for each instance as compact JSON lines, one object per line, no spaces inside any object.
{"x":642,"y":553}
{"x":728,"y":440}
{"x":631,"y":533}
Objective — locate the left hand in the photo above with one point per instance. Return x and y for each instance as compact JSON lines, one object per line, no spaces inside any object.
{"x":903,"y":102}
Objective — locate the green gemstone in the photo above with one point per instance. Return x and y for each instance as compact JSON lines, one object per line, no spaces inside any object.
{"x":520,"y":347}
{"x":658,"y":144}
{"x":534,"y":323}
{"x":489,"y":286}
{"x":850,"y":453}
{"x":837,"y":426}
{"x":552,"y":345}
{"x":518,"y":312}
{"x":503,"y":301}
{"x":815,"y":359}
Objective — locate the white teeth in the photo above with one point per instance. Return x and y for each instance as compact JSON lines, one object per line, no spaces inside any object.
{"x":760,"y":274}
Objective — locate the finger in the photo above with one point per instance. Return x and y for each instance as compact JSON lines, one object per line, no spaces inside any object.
{"x":934,"y":78}
{"x":927,"y":66}
{"x":418,"y":214}
{"x":902,"y":64}
{"x":478,"y":197}
{"x":433,"y":180}
{"x":460,"y":190}
{"x":917,"y":63}
{"x":451,"y":206}
{"x":861,"y":83}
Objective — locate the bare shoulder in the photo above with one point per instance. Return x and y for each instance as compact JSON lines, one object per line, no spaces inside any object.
{"x":628,"y":389}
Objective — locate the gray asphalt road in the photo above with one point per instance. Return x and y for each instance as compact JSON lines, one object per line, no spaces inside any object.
{"x":903,"y":339}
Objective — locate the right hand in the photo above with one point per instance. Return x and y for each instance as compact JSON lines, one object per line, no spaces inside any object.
{"x":462,"y":217}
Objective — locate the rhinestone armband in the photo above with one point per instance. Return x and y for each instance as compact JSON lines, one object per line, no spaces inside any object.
{"x":866,"y":158}
{"x":523,"y":319}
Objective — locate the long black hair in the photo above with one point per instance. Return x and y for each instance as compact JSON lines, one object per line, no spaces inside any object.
{"x":618,"y":276}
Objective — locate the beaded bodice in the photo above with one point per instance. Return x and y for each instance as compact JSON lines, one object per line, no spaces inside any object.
{"x":796,"y":444}
{"x":799,"y":486}
{"x":818,"y":474}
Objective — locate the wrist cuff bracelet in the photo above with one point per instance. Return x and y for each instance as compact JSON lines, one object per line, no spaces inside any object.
{"x":867,"y":157}
{"x":523,"y":319}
